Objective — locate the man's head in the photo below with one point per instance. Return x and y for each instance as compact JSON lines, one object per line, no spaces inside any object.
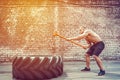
{"x":82,"y":29}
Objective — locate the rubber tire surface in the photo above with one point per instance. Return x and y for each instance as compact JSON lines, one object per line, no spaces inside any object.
{"x":37,"y":68}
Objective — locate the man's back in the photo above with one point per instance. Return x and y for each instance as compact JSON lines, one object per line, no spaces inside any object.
{"x":92,"y":36}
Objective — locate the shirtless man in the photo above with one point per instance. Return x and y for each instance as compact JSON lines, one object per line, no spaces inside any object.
{"x":95,"y":45}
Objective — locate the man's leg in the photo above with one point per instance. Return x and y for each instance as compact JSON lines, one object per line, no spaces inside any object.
{"x":87,"y":57}
{"x":87,"y":68}
{"x":100,"y":65}
{"x":99,"y":62}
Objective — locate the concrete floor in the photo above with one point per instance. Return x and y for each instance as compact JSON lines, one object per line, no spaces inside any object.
{"x":72,"y":71}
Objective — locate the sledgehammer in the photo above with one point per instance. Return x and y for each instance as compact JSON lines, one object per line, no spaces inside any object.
{"x":56,"y":34}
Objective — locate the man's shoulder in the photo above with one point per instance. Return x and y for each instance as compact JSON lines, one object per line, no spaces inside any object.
{"x":88,"y":30}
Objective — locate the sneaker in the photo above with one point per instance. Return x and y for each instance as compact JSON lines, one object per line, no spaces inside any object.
{"x":85,"y":69}
{"x":101,"y":73}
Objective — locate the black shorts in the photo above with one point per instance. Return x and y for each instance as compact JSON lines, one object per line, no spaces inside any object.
{"x":96,"y":49}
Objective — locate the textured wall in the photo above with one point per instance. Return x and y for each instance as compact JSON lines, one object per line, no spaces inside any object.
{"x":104,"y":21}
{"x":28,"y":29}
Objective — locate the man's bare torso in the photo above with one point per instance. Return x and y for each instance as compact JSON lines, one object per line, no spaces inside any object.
{"x":92,"y":37}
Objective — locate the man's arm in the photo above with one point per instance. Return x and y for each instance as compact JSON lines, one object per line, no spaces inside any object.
{"x":87,"y":46}
{"x":82,"y":36}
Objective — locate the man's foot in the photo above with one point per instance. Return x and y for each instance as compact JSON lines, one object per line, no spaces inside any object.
{"x":85,"y":69}
{"x":102,"y":72}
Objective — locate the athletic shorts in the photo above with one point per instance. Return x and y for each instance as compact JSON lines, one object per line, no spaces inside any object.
{"x":96,"y":49}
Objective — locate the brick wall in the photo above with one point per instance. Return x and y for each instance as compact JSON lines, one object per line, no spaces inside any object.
{"x":104,"y":21}
{"x":29,"y":30}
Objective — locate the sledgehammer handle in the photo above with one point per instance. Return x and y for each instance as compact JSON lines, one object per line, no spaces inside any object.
{"x":68,"y":40}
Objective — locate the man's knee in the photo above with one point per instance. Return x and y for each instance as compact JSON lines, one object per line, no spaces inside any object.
{"x":87,"y":55}
{"x":94,"y":56}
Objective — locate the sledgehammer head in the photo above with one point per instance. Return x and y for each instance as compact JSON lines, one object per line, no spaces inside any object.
{"x":55,"y":33}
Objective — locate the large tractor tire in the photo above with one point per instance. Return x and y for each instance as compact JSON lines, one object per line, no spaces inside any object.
{"x":37,"y":68}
